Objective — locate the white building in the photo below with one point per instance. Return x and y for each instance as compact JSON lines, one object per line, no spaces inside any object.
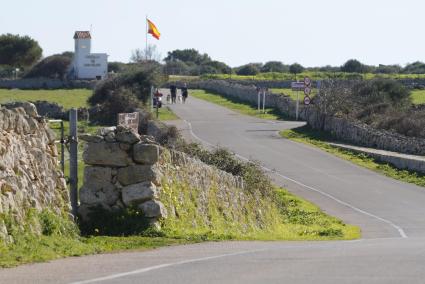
{"x":87,"y":65}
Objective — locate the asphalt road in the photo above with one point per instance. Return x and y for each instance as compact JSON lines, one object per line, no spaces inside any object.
{"x":390,"y":214}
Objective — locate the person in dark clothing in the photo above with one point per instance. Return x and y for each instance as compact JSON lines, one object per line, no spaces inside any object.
{"x":185,"y":93}
{"x":173,"y":91}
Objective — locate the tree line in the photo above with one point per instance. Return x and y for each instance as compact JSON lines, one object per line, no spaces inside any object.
{"x":24,"y":55}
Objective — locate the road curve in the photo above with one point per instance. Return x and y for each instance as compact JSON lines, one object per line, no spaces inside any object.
{"x":390,"y":214}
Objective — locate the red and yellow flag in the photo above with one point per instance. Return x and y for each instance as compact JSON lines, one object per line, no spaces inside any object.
{"x":153,"y":30}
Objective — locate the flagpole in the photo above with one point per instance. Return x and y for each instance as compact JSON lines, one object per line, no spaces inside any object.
{"x":146,"y":33}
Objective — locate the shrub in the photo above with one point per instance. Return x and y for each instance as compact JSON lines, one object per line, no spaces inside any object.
{"x":55,"y":66}
{"x":138,"y":81}
{"x":117,"y":101}
{"x":248,"y":69}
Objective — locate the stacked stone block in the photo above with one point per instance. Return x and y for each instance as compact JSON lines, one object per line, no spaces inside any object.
{"x":121,"y":172}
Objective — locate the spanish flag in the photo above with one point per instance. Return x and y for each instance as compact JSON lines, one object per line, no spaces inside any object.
{"x":153,"y":30}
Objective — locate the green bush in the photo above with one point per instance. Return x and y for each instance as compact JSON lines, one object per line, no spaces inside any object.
{"x":115,"y":102}
{"x":248,"y":69}
{"x":55,"y":66}
{"x":138,"y":81}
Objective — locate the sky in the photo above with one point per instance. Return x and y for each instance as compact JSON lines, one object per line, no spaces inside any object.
{"x":309,"y":32}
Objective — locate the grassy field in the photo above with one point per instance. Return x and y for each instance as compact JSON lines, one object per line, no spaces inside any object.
{"x":238,"y":106}
{"x":67,"y":98}
{"x":318,"y":139}
{"x":418,"y":97}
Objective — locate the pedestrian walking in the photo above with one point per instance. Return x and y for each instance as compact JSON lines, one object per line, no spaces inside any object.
{"x":173,"y":91}
{"x":185,"y":92}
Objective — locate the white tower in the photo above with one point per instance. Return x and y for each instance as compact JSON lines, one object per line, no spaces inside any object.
{"x":87,"y":65}
{"x":82,"y":49}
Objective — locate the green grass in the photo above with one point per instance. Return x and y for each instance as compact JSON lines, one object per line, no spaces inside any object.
{"x":319,"y":139}
{"x":283,"y":217}
{"x":67,"y":98}
{"x":165,"y":113}
{"x":236,"y":105}
{"x":45,"y":248}
{"x":286,"y":218}
{"x":418,"y":97}
{"x":293,"y":94}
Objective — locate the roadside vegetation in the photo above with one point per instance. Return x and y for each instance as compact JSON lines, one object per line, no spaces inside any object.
{"x":320,"y":139}
{"x":61,"y":237}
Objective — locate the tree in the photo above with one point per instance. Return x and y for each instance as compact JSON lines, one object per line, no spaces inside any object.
{"x":55,"y":66}
{"x":275,"y":66}
{"x":187,"y":55}
{"x":248,"y":69}
{"x":353,"y":66}
{"x":415,"y":68}
{"x":147,"y":54}
{"x":19,"y":51}
{"x":388,"y":69}
{"x":296,"y":69}
{"x":215,"y":67}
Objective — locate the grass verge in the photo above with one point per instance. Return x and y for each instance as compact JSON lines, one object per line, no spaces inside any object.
{"x":237,"y":105}
{"x":292,"y":219}
{"x":309,"y":136}
{"x":165,"y":114}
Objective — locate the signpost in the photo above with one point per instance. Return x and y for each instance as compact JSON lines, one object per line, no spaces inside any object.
{"x":130,"y":120}
{"x":261,"y":91}
{"x":302,"y":86}
{"x":297,"y":86}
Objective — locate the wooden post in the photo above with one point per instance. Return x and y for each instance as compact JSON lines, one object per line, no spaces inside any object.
{"x":73,"y":160}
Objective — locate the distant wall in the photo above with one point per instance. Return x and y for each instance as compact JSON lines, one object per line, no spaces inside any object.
{"x":45,"y":83}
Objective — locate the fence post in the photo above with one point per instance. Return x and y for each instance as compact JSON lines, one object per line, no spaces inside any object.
{"x":73,"y":160}
{"x":62,"y":148}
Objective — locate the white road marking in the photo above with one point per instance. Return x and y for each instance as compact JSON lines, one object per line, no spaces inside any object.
{"x":398,"y":228}
{"x":151,"y":268}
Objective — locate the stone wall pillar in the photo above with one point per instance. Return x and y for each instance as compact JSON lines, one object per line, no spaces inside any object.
{"x":121,"y":172}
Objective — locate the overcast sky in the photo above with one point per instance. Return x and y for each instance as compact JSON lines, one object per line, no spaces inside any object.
{"x":310,"y":32}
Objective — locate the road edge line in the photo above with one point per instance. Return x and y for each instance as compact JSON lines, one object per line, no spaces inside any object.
{"x":398,"y":228}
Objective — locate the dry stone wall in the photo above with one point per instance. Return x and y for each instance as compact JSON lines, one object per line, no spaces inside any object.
{"x":340,"y":128}
{"x":124,"y":169}
{"x":29,"y":174}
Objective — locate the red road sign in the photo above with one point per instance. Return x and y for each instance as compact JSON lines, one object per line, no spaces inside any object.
{"x":307,"y":91}
{"x":307,"y":100}
{"x":307,"y":81}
